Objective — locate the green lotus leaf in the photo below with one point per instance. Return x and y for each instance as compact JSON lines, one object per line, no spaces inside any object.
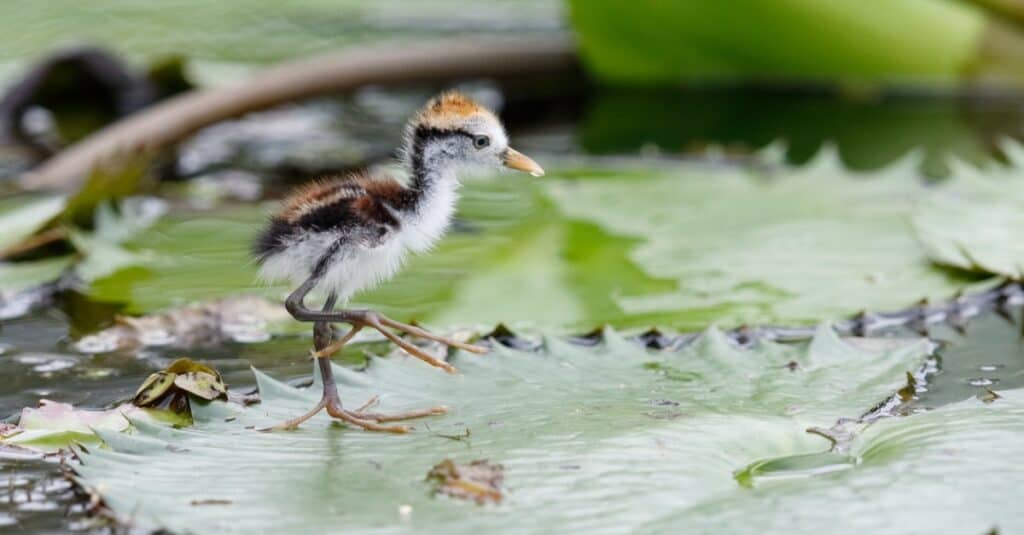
{"x":789,"y":247}
{"x":971,"y":221}
{"x":588,"y":437}
{"x":21,"y":217}
{"x":53,"y":426}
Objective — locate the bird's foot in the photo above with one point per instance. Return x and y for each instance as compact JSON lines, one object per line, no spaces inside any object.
{"x":383,"y":324}
{"x":370,"y":421}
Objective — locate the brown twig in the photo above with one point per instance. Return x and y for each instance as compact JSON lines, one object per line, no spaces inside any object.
{"x":168,"y":122}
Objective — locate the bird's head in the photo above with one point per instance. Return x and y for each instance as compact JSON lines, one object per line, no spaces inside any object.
{"x":453,"y":131}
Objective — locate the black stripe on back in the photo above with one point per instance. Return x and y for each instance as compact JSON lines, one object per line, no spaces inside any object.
{"x":270,"y":240}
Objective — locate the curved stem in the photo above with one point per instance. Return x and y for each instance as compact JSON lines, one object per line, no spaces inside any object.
{"x":171,"y":121}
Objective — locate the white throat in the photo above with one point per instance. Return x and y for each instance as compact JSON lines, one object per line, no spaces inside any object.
{"x":428,"y":221}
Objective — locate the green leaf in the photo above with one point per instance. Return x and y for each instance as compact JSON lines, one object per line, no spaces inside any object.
{"x":972,"y":221}
{"x":23,"y":217}
{"x":950,"y":468}
{"x":188,"y":259}
{"x":218,"y":38}
{"x":53,"y":426}
{"x":794,"y":247}
{"x":101,"y":257}
{"x":17,"y":276}
{"x":588,"y":437}
{"x":922,"y":42}
{"x":114,"y":179}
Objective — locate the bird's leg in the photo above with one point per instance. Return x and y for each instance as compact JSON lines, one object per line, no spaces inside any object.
{"x":330,"y":401}
{"x":369,"y":318}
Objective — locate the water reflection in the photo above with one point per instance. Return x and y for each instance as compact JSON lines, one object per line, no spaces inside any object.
{"x":869,"y":130}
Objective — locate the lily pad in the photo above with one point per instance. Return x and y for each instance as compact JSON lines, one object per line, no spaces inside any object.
{"x":793,"y":246}
{"x":971,"y":221}
{"x":21,"y":217}
{"x":589,"y":438}
{"x":16,"y":276}
{"x":53,"y":426}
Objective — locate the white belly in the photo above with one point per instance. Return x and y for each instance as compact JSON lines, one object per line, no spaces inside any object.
{"x":356,"y":268}
{"x":361,"y":269}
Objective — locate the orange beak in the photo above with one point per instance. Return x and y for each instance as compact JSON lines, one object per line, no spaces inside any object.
{"x":521,"y":162}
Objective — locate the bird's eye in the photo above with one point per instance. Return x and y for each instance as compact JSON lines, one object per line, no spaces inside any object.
{"x":481,"y":141}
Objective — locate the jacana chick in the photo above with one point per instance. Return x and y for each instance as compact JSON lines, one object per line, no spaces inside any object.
{"x":347,"y":234}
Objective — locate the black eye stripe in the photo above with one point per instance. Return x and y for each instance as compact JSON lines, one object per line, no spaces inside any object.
{"x":425,"y":133}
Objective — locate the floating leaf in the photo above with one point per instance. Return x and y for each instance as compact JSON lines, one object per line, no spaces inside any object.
{"x":188,"y":260}
{"x":54,"y":425}
{"x":16,"y":276}
{"x":23,"y":217}
{"x":115,"y":179}
{"x":972,"y":221}
{"x":570,"y":425}
{"x":793,"y":247}
{"x":183,"y":376}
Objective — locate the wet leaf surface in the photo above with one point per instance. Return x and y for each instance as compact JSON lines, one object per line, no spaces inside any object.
{"x":538,"y":413}
{"x":788,"y":246}
{"x":971,"y":221}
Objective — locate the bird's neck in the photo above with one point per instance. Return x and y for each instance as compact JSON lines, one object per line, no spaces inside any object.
{"x":430,"y":197}
{"x":433,"y":172}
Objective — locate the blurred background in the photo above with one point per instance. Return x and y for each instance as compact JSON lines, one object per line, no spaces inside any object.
{"x":727,"y":86}
{"x":676,"y":77}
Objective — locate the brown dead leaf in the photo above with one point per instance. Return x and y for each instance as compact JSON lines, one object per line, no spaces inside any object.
{"x":479,"y":481}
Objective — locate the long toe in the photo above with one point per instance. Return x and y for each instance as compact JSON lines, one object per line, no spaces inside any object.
{"x":399,"y":416}
{"x":413,"y":350}
{"x":423,"y":333}
{"x":294,"y":423}
{"x":336,"y":411}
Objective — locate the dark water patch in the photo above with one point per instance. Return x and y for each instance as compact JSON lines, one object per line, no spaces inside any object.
{"x":988,"y":355}
{"x":869,"y":130}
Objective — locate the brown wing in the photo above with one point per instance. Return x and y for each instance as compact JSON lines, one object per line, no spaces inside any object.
{"x":317,"y":194}
{"x":357,"y":205}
